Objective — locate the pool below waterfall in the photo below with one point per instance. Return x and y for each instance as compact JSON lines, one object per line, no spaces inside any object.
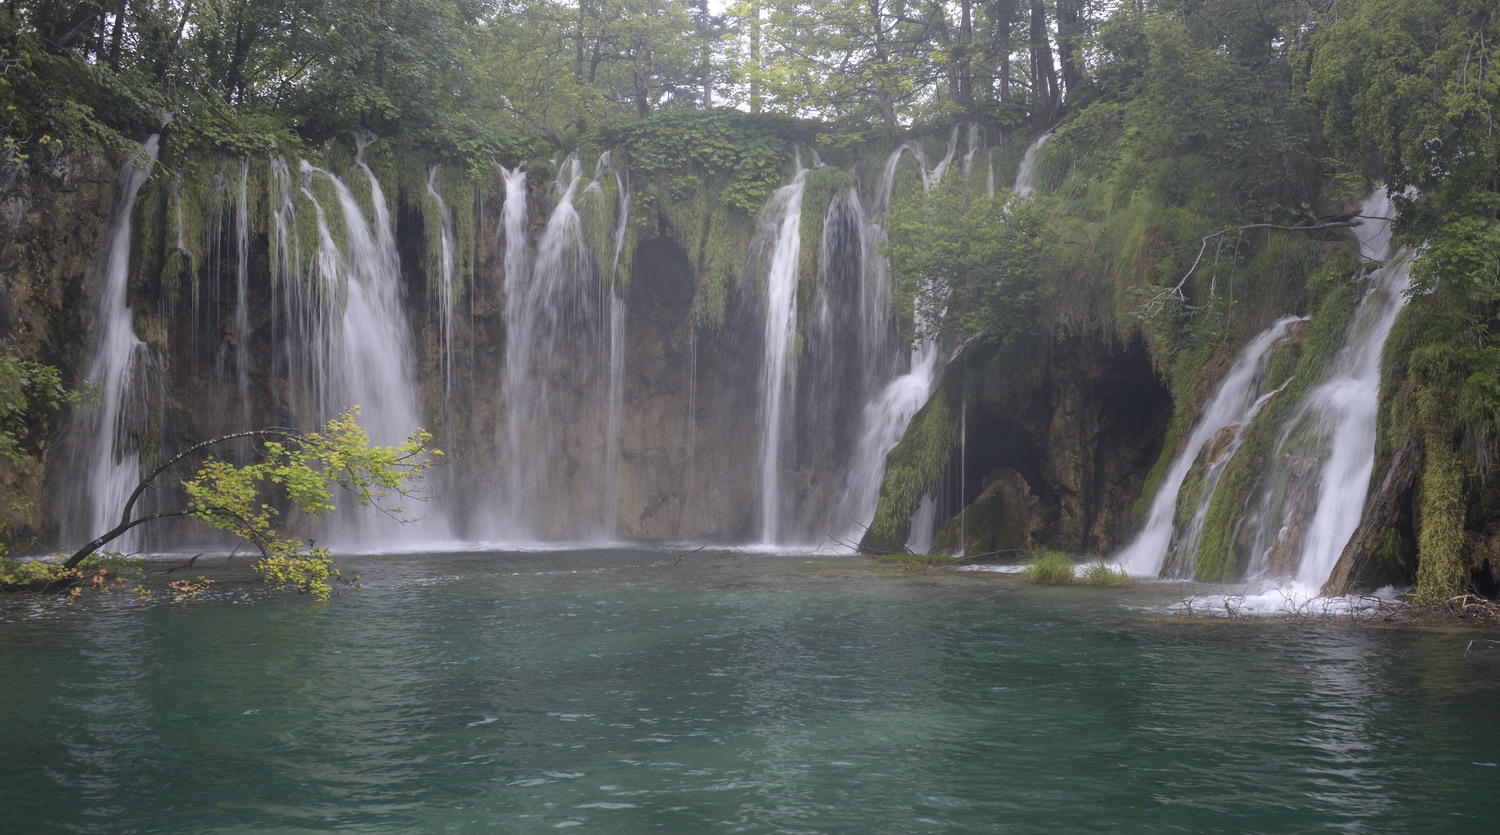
{"x":652,"y":690}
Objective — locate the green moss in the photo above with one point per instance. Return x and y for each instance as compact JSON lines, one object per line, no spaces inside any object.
{"x":1220,"y":557}
{"x":817,"y":193}
{"x":915,"y":466}
{"x":917,"y":560}
{"x":1440,"y":539}
{"x":995,"y":522}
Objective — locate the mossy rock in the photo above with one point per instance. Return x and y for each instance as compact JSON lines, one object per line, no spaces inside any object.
{"x":1004,"y":518}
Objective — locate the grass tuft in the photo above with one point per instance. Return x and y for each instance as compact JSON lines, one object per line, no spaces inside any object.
{"x":1049,"y":568}
{"x":1101,"y":573}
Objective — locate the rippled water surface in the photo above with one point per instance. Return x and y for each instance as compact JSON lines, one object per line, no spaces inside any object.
{"x":631,"y":691}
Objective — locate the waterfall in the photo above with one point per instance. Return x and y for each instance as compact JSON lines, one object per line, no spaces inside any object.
{"x":1233,"y":404}
{"x":780,"y":241}
{"x":931,"y":178}
{"x":891,"y":409}
{"x":1326,"y":452}
{"x":360,"y":345}
{"x":1026,"y":172}
{"x":448,"y":284}
{"x":242,"y":294}
{"x":559,"y":305}
{"x":616,"y":359}
{"x":105,"y":437}
{"x":972,"y":148}
{"x":889,"y":412}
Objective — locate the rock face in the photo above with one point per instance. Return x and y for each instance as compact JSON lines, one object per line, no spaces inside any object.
{"x":54,"y":213}
{"x":1053,"y":446}
{"x":1055,"y":442}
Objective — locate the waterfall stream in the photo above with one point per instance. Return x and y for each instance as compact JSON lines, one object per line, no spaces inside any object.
{"x":104,"y":437}
{"x":361,"y":348}
{"x":1326,"y":452}
{"x":242,"y":294}
{"x":780,"y":241}
{"x":447,"y":289}
{"x":567,"y":298}
{"x":1313,"y":493}
{"x":1234,"y":404}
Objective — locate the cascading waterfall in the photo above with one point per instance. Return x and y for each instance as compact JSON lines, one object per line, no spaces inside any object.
{"x":560,"y":301}
{"x":616,"y":358}
{"x":780,"y":241}
{"x":971,"y":150}
{"x":1326,"y":452}
{"x":104,"y":437}
{"x":1234,"y":404}
{"x":887,"y":416}
{"x":1026,"y":172}
{"x":930,"y":179}
{"x":361,"y":346}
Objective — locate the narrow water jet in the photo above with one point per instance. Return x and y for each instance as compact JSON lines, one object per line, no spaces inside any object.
{"x":447,"y":289}
{"x":242,"y":294}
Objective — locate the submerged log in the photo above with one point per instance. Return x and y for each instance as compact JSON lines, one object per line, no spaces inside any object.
{"x":1382,"y":509}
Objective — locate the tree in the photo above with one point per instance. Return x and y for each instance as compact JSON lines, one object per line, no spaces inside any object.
{"x":292,"y":468}
{"x":30,"y":392}
{"x":968,"y":265}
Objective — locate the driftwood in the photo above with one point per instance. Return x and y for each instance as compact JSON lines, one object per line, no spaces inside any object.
{"x":1381,"y":510}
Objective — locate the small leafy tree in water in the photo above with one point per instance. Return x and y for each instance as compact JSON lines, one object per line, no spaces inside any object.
{"x":301,"y":470}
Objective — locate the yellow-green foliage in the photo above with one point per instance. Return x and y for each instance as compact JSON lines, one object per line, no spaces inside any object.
{"x":15,"y":573}
{"x":237,"y":499}
{"x":1048,"y":567}
{"x":37,"y":574}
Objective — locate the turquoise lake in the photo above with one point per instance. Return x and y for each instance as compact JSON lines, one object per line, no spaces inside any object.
{"x":654,"y":691}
